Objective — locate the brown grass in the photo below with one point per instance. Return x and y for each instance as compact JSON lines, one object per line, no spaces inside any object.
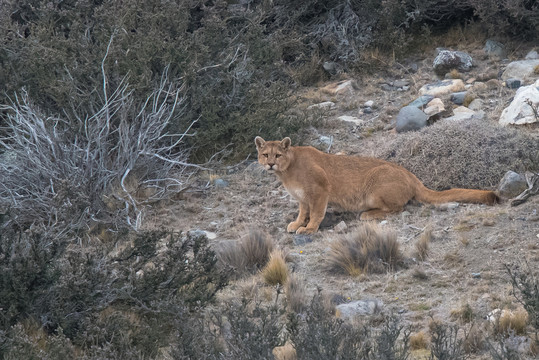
{"x":276,"y":272}
{"x":474,"y":340}
{"x":512,"y":320}
{"x":418,"y":341}
{"x":455,"y":74}
{"x":464,"y":314}
{"x":248,"y":255}
{"x":295,"y":294}
{"x":285,"y":352}
{"x":422,"y":244}
{"x":368,"y":249}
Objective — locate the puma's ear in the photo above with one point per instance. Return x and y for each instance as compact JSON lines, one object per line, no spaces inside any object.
{"x":259,"y":142}
{"x":285,"y":143}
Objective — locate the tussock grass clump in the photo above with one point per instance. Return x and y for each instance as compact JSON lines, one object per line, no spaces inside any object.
{"x":422,"y":244}
{"x":418,"y":340}
{"x":295,"y":294}
{"x":368,"y":249}
{"x":275,"y":272}
{"x":464,"y":314}
{"x":475,"y":154}
{"x":249,"y":254}
{"x":515,"y":321}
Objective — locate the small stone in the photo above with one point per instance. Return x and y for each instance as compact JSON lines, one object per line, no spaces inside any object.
{"x":400,"y":83}
{"x":458,"y":97}
{"x":384,"y":222}
{"x":436,"y":106}
{"x":338,"y":87}
{"x":512,"y":83}
{"x":476,"y":105}
{"x":421,"y":101}
{"x":220,"y":183}
{"x":387,"y":87}
{"x":367,"y":110}
{"x":326,"y":105}
{"x":330,"y":67}
{"x":325,"y":140}
{"x":300,"y":239}
{"x":351,"y":119}
{"x":359,"y":307}
{"x":210,"y":235}
{"x":369,"y":104}
{"x":442,"y":87}
{"x":476,"y":275}
{"x":340,"y":227}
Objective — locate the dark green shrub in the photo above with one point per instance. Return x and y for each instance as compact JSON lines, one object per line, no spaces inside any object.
{"x":106,"y":304}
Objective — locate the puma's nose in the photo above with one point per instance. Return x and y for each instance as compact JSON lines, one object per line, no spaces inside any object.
{"x":270,"y":165}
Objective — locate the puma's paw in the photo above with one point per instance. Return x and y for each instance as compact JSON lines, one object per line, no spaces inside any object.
{"x":292,"y":227}
{"x":305,"y":230}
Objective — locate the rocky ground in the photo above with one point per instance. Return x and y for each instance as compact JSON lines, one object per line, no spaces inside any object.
{"x":470,"y":245}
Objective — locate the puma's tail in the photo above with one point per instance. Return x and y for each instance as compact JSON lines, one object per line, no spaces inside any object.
{"x":426,"y":195}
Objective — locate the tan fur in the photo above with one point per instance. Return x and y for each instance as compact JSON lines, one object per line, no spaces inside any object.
{"x":373,"y":186}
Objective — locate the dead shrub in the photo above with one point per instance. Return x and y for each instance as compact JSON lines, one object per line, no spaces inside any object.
{"x":474,"y":340}
{"x":474,"y":154}
{"x":275,"y":272}
{"x":368,"y":249}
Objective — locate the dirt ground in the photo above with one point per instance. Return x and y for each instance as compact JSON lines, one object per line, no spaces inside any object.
{"x":470,"y":246}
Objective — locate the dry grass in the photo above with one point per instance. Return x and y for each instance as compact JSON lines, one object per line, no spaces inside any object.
{"x":285,"y":352}
{"x":249,"y":254}
{"x":464,"y":314}
{"x":512,"y":321}
{"x":455,"y":74}
{"x":422,"y":244}
{"x":275,"y":272}
{"x":418,"y":341}
{"x":295,"y":294}
{"x":474,"y":340}
{"x":368,"y":249}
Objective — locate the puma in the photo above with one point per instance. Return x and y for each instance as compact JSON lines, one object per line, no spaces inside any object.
{"x":372,"y":186}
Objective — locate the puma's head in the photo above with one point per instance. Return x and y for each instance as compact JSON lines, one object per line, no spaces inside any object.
{"x":274,"y":155}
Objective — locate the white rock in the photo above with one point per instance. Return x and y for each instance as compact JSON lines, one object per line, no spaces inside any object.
{"x":520,"y":112}
{"x":532,"y":55}
{"x":369,"y":103}
{"x":463,"y":113}
{"x":522,"y":69}
{"x":340,"y":227}
{"x":359,"y":307}
{"x":443,"y":87}
{"x":326,"y":105}
{"x":350,"y":119}
{"x":476,"y":105}
{"x":338,"y":87}
{"x":435,"y":106}
{"x":210,"y":235}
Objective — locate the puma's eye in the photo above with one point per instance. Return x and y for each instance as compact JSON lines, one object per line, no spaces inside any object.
{"x":265,"y":155}
{"x":277,"y":155}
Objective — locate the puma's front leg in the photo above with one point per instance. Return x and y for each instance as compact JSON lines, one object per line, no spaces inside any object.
{"x":302,"y":220}
{"x":316,"y":215}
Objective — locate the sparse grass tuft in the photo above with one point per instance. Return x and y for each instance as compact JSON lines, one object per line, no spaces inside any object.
{"x":474,"y":340}
{"x":464,"y":314}
{"x":251,"y":253}
{"x":536,"y":70}
{"x":455,"y":74}
{"x":295,"y":294}
{"x":422,"y":244}
{"x":275,"y":272}
{"x":368,"y":249}
{"x":418,"y":341}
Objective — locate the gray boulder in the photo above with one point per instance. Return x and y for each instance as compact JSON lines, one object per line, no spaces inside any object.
{"x":495,"y":48}
{"x":522,"y":69}
{"x":448,"y":60}
{"x":359,"y":307}
{"x":410,"y":118}
{"x":512,"y":184}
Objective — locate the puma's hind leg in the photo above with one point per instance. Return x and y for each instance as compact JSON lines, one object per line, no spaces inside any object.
{"x":376,"y":214}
